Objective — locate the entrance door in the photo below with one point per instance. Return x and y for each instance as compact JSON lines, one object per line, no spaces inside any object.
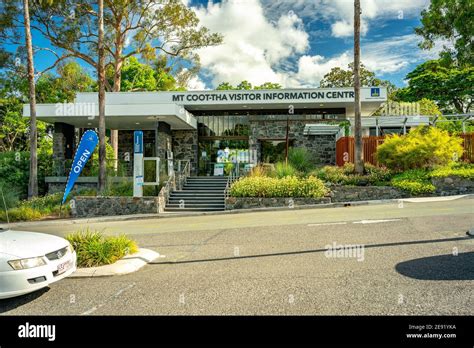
{"x":220,"y":156}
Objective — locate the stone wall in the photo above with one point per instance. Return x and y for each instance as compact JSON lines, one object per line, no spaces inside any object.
{"x":264,"y":202}
{"x":453,"y":185}
{"x":185,"y":147}
{"x":341,"y":193}
{"x":322,"y":147}
{"x":109,"y":206}
{"x":338,"y":194}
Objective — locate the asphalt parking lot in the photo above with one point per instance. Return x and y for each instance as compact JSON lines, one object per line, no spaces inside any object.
{"x":414,"y":259}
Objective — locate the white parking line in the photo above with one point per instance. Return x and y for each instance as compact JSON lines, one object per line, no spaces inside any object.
{"x":374,"y":221}
{"x":328,"y":223}
{"x":117,"y":294}
{"x":354,"y":222}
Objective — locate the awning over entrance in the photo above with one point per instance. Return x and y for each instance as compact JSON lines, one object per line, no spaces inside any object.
{"x":120,"y":115}
{"x":394,"y":121}
{"x":322,"y":129}
{"x":141,"y":110}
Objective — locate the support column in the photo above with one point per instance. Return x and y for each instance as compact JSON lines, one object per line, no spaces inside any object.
{"x":163,"y":140}
{"x":185,"y":147}
{"x":63,"y":146}
{"x":254,"y":145}
{"x":114,"y":143}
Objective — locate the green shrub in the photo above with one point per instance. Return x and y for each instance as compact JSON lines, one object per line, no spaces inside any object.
{"x":94,"y":249}
{"x":377,"y":174}
{"x":300,"y":159}
{"x":414,"y":187}
{"x":258,"y":171}
{"x":122,"y":188}
{"x":21,"y":213}
{"x":36,"y":208}
{"x":282,"y":170}
{"x":15,"y":166}
{"x":10,"y":197}
{"x":46,"y":204}
{"x":332,"y":174}
{"x":289,"y":186}
{"x":462,"y":170}
{"x":423,"y":147}
{"x":345,"y":175}
{"x":415,"y":181}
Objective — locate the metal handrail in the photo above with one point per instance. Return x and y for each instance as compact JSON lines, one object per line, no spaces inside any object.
{"x":164,"y":194}
{"x":183,"y":173}
{"x":230,"y":179}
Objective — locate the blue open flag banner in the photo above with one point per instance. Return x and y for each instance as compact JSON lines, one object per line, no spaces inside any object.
{"x":84,"y":151}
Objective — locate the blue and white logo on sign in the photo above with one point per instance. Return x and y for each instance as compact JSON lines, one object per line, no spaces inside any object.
{"x":375,"y":92}
{"x":138,"y":142}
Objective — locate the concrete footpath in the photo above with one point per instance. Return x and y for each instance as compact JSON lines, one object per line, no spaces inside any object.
{"x":413,"y":258}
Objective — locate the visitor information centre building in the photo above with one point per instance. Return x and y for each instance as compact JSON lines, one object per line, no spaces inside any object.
{"x":209,"y":127}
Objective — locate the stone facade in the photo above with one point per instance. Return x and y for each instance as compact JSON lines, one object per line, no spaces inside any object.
{"x":63,"y":147}
{"x":164,"y":141}
{"x":109,"y":206}
{"x":453,"y":185}
{"x":322,"y":147}
{"x":185,"y":147}
{"x":264,"y":202}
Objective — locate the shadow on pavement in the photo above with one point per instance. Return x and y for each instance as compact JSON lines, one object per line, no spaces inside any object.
{"x":9,"y":304}
{"x":441,"y":267}
{"x":299,"y":252}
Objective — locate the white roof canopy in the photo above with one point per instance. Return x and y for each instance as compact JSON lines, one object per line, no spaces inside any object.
{"x":141,"y":110}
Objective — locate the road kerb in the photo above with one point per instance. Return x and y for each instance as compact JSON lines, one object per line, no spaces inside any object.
{"x":128,"y":264}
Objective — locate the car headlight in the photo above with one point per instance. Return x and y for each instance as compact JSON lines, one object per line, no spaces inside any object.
{"x":27,"y":263}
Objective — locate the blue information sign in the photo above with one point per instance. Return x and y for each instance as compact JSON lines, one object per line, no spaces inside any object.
{"x":138,"y":142}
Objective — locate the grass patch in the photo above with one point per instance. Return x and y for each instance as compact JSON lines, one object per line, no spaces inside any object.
{"x":95,"y":249}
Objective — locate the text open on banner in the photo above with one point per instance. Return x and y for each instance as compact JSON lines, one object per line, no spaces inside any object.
{"x":84,"y":151}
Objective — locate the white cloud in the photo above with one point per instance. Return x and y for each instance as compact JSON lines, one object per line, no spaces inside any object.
{"x":340,"y":13}
{"x":260,"y":49}
{"x":252,"y":45}
{"x":311,"y":69}
{"x":196,"y":84}
{"x":383,"y":57}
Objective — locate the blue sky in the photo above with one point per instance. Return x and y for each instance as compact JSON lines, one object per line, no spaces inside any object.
{"x":296,"y":42}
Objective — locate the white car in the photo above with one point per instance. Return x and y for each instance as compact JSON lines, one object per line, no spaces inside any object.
{"x":30,"y":261}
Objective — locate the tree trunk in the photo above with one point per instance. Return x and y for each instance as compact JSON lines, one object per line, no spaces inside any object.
{"x":116,"y":88}
{"x":358,"y":150}
{"x":101,"y":75}
{"x":33,"y":180}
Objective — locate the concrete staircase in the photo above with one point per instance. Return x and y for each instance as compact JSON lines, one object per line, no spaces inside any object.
{"x":200,"y":193}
